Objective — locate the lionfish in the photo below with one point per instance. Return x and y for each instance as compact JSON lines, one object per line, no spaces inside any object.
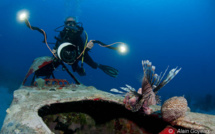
{"x":141,"y":100}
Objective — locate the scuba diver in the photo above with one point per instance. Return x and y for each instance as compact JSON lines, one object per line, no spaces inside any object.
{"x":72,"y":46}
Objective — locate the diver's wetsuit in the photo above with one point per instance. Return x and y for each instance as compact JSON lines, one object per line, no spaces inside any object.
{"x":78,"y":38}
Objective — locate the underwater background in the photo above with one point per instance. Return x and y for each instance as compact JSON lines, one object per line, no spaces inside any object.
{"x":175,"y":33}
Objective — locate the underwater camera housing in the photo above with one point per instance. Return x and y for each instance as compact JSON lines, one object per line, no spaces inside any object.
{"x":67,"y":52}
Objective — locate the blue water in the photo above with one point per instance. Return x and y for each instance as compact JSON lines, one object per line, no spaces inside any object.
{"x":175,"y":33}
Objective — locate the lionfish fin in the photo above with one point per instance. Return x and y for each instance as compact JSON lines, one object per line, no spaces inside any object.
{"x":116,"y":90}
{"x":156,"y":81}
{"x":149,"y":76}
{"x":163,"y":75}
{"x":125,"y":90}
{"x":130,"y":88}
{"x":172,"y":73}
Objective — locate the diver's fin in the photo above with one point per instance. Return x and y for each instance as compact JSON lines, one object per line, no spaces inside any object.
{"x":109,"y":70}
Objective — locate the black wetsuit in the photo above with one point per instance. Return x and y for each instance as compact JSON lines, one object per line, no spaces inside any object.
{"x":78,"y":38}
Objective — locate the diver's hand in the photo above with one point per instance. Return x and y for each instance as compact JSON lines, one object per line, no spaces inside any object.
{"x":90,"y":44}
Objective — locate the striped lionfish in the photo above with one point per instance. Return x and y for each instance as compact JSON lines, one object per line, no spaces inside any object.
{"x":141,"y":100}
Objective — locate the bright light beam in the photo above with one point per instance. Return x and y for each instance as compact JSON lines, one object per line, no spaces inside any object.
{"x":22,"y":15}
{"x":123,"y":49}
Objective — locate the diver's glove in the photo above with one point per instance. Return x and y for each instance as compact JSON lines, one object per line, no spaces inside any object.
{"x":81,"y":71}
{"x":54,"y":51}
{"x":109,"y":70}
{"x":90,"y":44}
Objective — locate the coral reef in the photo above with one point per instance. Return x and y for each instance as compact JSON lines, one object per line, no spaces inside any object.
{"x":174,"y":108}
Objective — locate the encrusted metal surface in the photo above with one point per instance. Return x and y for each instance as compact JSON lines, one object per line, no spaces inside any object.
{"x":199,"y":122}
{"x":22,"y":116}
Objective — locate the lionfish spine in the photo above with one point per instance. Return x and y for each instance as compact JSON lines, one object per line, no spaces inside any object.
{"x":129,"y":87}
{"x":148,"y":70}
{"x":172,"y":73}
{"x":171,"y":76}
{"x":156,"y":81}
{"x":116,"y":90}
{"x":152,"y":76}
{"x":163,"y":75}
